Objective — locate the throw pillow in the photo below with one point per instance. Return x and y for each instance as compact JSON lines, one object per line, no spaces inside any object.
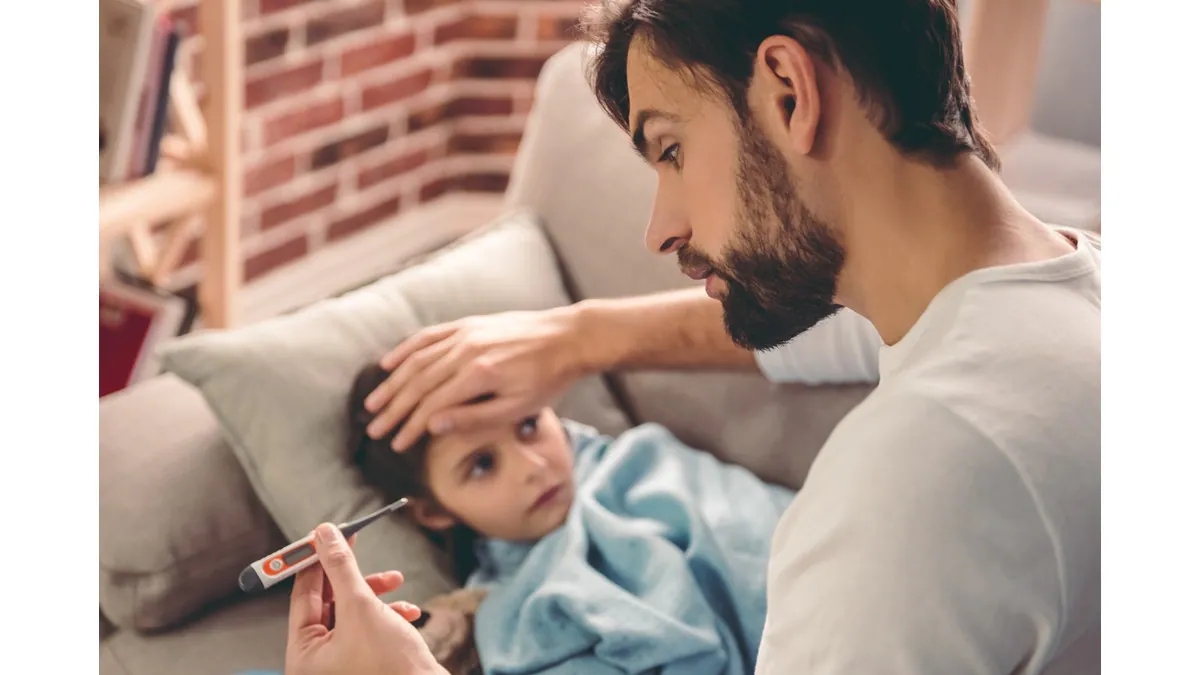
{"x":279,"y":387}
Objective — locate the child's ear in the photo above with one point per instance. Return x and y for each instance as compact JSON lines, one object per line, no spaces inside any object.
{"x":431,"y":516}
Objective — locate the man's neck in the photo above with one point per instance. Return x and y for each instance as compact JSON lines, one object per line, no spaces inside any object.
{"x":918,"y":229}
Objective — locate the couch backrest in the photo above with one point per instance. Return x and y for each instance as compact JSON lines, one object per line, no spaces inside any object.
{"x":577,"y":170}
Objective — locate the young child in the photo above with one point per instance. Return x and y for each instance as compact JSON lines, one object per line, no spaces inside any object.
{"x":509,"y":483}
{"x":598,"y":554}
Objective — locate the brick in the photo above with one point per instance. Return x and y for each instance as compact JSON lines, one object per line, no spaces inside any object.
{"x":357,"y":221}
{"x":281,"y":213}
{"x":557,"y":28}
{"x":478,"y":27}
{"x":482,"y":182}
{"x":498,"y":68}
{"x":418,"y":6}
{"x":289,"y":251}
{"x":344,"y":21}
{"x":391,"y":168}
{"x":378,"y":53}
{"x":522,"y":103}
{"x":266,"y":46}
{"x":387,"y":93}
{"x":435,"y":188}
{"x":272,"y":6}
{"x":332,"y":153}
{"x":268,"y":175}
{"x":274,"y":86}
{"x":501,"y":143}
{"x":185,"y":20}
{"x":426,"y":117}
{"x":312,"y":116}
{"x":465,"y":106}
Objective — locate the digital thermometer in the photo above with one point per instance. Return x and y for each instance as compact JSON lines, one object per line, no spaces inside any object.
{"x":300,"y":555}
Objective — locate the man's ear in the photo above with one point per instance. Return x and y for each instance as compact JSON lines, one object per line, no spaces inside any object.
{"x":786,"y":89}
{"x":430,"y":515}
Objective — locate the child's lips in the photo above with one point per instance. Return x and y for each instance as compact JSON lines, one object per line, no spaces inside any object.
{"x":546,"y":497}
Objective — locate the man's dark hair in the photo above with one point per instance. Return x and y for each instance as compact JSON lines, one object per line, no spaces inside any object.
{"x":904,"y":56}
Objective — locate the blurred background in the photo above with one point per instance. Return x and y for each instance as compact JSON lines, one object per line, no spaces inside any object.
{"x":369,"y":130}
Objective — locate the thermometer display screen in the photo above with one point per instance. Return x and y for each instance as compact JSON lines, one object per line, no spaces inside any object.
{"x":297,"y":554}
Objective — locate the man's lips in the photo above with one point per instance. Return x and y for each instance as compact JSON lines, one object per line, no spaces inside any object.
{"x":697,"y":273}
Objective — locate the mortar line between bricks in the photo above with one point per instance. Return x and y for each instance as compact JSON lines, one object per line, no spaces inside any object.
{"x":330,"y":86}
{"x":310,"y":180}
{"x":265,"y":240}
{"x":438,"y":94}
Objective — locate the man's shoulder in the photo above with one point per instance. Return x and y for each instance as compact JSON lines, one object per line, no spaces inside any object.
{"x":899,"y":429}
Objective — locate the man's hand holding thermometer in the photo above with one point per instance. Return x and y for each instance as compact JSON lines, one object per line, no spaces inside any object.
{"x":300,"y":555}
{"x":369,"y":636}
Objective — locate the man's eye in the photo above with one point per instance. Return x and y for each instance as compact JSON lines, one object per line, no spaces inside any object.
{"x":671,"y":155}
{"x":482,"y":465}
{"x":528,"y":429}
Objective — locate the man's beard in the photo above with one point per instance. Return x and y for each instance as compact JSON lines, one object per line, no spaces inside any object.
{"x":783,"y":264}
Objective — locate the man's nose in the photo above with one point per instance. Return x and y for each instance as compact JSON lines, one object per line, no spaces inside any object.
{"x":667,"y":230}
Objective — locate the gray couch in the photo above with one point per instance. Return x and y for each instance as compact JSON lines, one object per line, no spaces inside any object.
{"x":166,"y":465}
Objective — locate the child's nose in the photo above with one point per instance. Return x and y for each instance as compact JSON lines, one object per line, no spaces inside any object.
{"x":536,"y":462}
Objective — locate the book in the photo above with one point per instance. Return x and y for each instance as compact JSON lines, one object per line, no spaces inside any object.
{"x":135,"y":318}
{"x":127,"y":29}
{"x":143,"y":126}
{"x":159,"y":126}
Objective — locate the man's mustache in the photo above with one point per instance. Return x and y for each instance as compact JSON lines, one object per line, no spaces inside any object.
{"x":690,"y":258}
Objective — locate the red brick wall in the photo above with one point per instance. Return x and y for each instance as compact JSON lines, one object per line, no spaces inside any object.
{"x":359,"y":109}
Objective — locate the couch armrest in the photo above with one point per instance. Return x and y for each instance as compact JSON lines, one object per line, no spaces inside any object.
{"x":178,"y":518}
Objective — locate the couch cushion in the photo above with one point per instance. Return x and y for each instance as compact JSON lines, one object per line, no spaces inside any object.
{"x":279,"y":387}
{"x":1057,"y":179}
{"x":237,"y":636}
{"x":178,"y":519}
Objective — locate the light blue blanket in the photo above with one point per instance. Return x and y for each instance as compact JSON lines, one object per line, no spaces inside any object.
{"x":660,"y":567}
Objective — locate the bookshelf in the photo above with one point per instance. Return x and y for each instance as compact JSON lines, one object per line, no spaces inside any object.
{"x":198,"y":181}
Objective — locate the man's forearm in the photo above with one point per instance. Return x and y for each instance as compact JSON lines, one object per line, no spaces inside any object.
{"x":671,"y":330}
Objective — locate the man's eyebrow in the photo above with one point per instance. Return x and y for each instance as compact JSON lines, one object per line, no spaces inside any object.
{"x":639,"y":129}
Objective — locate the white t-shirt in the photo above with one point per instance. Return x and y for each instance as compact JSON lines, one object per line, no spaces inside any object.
{"x":951,"y":523}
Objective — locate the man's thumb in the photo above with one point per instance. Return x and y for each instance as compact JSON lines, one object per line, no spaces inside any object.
{"x":337,"y":559}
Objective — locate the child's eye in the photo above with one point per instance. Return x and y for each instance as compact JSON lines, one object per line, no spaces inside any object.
{"x":482,"y":465}
{"x":671,"y":155}
{"x":528,"y":429}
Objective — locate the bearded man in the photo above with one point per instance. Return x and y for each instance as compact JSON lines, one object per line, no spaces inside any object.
{"x":821,"y":168}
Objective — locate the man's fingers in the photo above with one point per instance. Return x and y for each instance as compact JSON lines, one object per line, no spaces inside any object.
{"x":400,"y":362}
{"x":418,"y":376}
{"x":476,"y":415}
{"x":404,"y":387}
{"x":409,"y":611}
{"x":385,"y":582}
{"x":307,"y":601}
{"x":341,"y":569}
{"x":446,"y":384}
{"x":464,"y":386}
{"x":423,"y":339}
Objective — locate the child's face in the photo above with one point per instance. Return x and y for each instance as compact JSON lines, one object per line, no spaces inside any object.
{"x":504,"y":482}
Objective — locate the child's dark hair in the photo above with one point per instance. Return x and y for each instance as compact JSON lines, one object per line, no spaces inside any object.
{"x":400,"y":474}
